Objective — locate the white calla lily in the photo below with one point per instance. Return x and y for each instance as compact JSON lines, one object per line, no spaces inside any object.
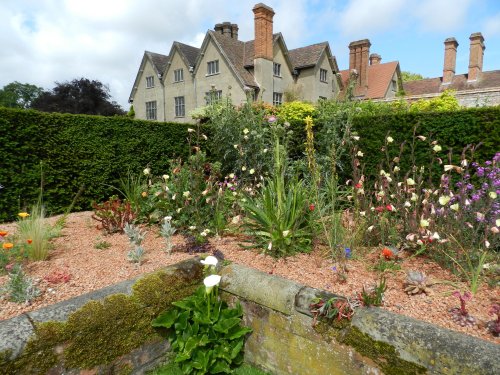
{"x":210,"y":282}
{"x":210,"y":261}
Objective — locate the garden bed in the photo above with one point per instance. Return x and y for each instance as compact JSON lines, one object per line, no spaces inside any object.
{"x":88,"y":268}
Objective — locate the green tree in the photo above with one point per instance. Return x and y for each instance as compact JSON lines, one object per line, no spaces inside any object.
{"x":409,"y":76}
{"x":19,"y":95}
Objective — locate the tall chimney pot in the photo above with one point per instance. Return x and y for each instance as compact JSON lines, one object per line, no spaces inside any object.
{"x":476,"y":56}
{"x":450,"y":60}
{"x":375,"y":59}
{"x":358,"y":60}
{"x":234,"y":31}
{"x":263,"y":17}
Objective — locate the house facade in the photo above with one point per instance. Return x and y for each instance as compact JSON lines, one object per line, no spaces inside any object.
{"x":169,"y":87}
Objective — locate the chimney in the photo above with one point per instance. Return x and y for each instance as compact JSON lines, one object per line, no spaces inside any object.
{"x":227,"y":29}
{"x":234,"y":31}
{"x":263,"y":16}
{"x":450,"y":59}
{"x":358,"y":60}
{"x":218,"y":28}
{"x":375,"y":59}
{"x":476,"y":56}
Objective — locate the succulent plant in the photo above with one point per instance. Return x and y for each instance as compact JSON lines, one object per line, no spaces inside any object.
{"x":460,"y":314}
{"x":494,"y":325}
{"x":416,"y":283}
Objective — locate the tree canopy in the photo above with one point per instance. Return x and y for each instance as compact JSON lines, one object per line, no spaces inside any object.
{"x":80,"y":96}
{"x":19,"y":95}
{"x":409,"y":76}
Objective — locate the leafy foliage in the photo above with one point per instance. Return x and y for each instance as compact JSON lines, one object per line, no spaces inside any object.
{"x":80,"y":96}
{"x":409,"y":76}
{"x":19,"y":95}
{"x":113,"y":214}
{"x":19,"y":287}
{"x":204,"y":343}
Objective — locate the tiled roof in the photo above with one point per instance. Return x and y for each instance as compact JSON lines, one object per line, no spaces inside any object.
{"x":306,"y":56}
{"x":159,"y":61}
{"x":249,"y":50}
{"x":379,"y":79}
{"x":486,"y":80}
{"x":189,"y":52}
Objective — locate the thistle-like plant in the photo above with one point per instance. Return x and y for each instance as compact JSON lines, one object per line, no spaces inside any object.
{"x":20,"y":288}
{"x":135,"y":236}
{"x":167,"y":231}
{"x":416,"y":283}
{"x":460,"y":314}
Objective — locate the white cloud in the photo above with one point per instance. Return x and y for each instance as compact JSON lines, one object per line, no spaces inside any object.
{"x":492,"y":26}
{"x":441,"y":15}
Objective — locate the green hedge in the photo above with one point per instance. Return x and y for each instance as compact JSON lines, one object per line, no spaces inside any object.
{"x":453,"y":130}
{"x":64,"y":152}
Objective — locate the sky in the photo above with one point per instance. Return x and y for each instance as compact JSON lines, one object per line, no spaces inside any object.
{"x":49,"y":41}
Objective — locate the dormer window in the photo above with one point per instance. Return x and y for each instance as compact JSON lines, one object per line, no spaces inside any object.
{"x":150,"y":82}
{"x":178,"y":75}
{"x":277,"y":70}
{"x":213,"y":67}
{"x":323,"y":75}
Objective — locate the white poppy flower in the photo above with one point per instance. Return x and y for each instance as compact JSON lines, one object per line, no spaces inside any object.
{"x":210,"y":261}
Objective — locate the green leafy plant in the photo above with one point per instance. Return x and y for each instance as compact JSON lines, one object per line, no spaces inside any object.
{"x":113,"y":214}
{"x":335,"y":308}
{"x":20,"y":288}
{"x":205,"y":334}
{"x":373,"y":296}
{"x":102,"y":245}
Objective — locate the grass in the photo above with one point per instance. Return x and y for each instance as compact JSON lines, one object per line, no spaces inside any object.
{"x":34,"y":230}
{"x":173,"y":369}
{"x":102,"y":245}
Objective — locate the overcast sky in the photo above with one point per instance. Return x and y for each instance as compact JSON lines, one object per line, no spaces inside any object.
{"x":44,"y":41}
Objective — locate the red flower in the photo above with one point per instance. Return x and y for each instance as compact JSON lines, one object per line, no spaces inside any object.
{"x":358,"y":186}
{"x":389,"y":207}
{"x":387,"y":253}
{"x":29,"y":241}
{"x":312,"y":207}
{"x":380,"y":209}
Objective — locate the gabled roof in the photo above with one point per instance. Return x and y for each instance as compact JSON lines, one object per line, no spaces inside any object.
{"x":379,"y":79}
{"x":159,"y":63}
{"x":489,"y":79}
{"x":308,"y":56}
{"x":190,"y":53}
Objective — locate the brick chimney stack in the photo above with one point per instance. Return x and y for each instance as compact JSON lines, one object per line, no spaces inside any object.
{"x":476,"y":56}
{"x":234,"y":31}
{"x":358,"y":60}
{"x":263,"y":16}
{"x":227,"y":28}
{"x":375,"y":59}
{"x":450,"y":60}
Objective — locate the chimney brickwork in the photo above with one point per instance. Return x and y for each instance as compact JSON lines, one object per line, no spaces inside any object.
{"x":358,"y":60}
{"x":450,"y":59}
{"x":263,"y":16}
{"x":227,"y":28}
{"x":375,"y":59}
{"x":476,"y":56}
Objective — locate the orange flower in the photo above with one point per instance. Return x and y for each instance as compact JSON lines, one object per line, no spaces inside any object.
{"x":144,"y":194}
{"x":8,"y":245}
{"x":3,"y":233}
{"x":387,"y":253}
{"x":29,"y":241}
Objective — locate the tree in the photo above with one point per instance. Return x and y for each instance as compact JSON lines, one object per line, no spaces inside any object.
{"x":19,"y":95}
{"x":409,"y":76}
{"x":80,"y":96}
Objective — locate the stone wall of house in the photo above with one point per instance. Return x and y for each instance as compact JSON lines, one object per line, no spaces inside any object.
{"x":283,"y":340}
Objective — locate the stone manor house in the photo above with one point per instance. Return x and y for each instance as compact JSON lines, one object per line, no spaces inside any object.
{"x":167,"y":88}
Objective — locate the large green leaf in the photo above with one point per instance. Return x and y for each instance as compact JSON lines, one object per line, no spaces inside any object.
{"x":226,"y":324}
{"x":165,"y":319}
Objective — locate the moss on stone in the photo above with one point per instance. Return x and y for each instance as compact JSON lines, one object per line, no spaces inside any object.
{"x":102,"y":331}
{"x":383,"y":354}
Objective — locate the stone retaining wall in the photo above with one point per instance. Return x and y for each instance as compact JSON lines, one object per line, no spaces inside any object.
{"x":283,"y":339}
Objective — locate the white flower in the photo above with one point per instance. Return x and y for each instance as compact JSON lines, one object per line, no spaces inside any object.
{"x":235,"y":146}
{"x":436,"y":236}
{"x":231,"y":175}
{"x":492,"y":195}
{"x":396,"y":169}
{"x":464,"y":163}
{"x":245,"y":137}
{"x":448,"y":167}
{"x":410,"y":181}
{"x":370,"y":228}
{"x":186,"y":194}
{"x":203,"y":234}
{"x":208,"y":200}
{"x":264,"y":150}
{"x":204,"y":192}
{"x":167,"y":218}
{"x":390,"y":139}
{"x":204,"y":137}
{"x":165,"y":177}
{"x":355,"y":137}
{"x":192,"y":227}
{"x":210,"y":282}
{"x":443,"y":200}
{"x":407,"y":204}
{"x":285,"y":233}
{"x":383,"y":173}
{"x":454,"y":207}
{"x":437,"y":148}
{"x":270,"y":246}
{"x":179,"y":210}
{"x":229,"y":185}
{"x":235,"y":193}
{"x":467,"y":202}
{"x":190,"y":130}
{"x":362,"y":213}
{"x":245,"y":131}
{"x":487,"y":244}
{"x":166,"y":188}
{"x":497,"y":222}
{"x":360,"y":154}
{"x":174,"y":196}
{"x":147,"y":171}
{"x":421,"y":137}
{"x":252,"y":171}
{"x":424,"y":223}
{"x":243,"y":168}
{"x":210,"y":261}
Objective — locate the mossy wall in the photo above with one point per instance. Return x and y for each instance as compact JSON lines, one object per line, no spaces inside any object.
{"x":106,"y":335}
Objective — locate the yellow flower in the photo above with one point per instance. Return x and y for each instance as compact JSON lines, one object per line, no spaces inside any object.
{"x":454,"y":207}
{"x":410,"y":181}
{"x":437,"y":148}
{"x":492,"y":194}
{"x":443,"y":200}
{"x":23,"y":214}
{"x":424,"y":223}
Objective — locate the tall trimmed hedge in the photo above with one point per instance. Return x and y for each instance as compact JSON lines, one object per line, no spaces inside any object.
{"x":453,"y":130}
{"x":65,"y":153}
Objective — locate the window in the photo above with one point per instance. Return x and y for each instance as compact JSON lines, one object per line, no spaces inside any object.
{"x":180,"y":109}
{"x":178,"y":75}
{"x":277,"y":69}
{"x":213,"y":96}
{"x":322,"y":75}
{"x":213,"y":67}
{"x":151,"y":110}
{"x":277,"y":98}
{"x":150,"y":82}
{"x":394,"y":85}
